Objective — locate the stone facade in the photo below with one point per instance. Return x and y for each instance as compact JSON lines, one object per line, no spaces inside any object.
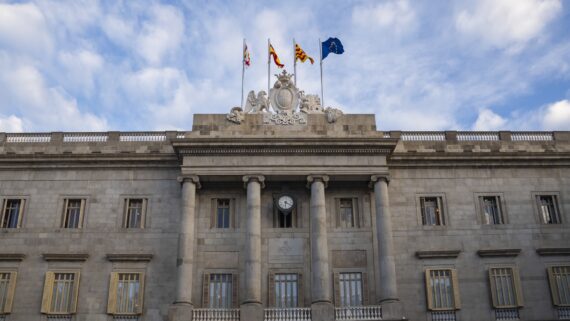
{"x":253,"y":162}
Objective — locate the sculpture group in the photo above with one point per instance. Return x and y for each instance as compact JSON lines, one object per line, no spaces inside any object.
{"x":286,"y":105}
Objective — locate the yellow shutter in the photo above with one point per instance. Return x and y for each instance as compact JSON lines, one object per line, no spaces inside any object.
{"x":75,"y":292}
{"x":140,"y":301}
{"x":493,"y":287}
{"x":206,"y":291}
{"x":455,"y":282}
{"x":518,"y":287}
{"x":553,"y":286}
{"x":271,"y":289}
{"x":48,"y":289}
{"x":112,"y":299}
{"x":336,"y":288}
{"x":300,"y":291}
{"x":429,"y":295}
{"x":10,"y":293}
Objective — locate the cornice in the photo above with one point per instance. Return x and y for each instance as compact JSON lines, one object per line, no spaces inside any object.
{"x":499,"y":252}
{"x":438,"y":254}
{"x":553,"y":251}
{"x":129,"y":257}
{"x":65,"y":257}
{"x":92,"y":160}
{"x":12,"y":256}
{"x":479,"y":159}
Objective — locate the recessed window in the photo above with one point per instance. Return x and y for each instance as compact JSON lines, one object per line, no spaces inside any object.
{"x":432,"y":211}
{"x":223,"y":213}
{"x":559,"y":277}
{"x":220,"y":290}
{"x":7,"y":288}
{"x":285,"y":219}
{"x":491,"y":210}
{"x":350,"y":287}
{"x":442,"y":290}
{"x":73,"y":212}
{"x":135,"y":213}
{"x":548,"y":210}
{"x":61,"y":289}
{"x":285,"y":290}
{"x":505,"y":287}
{"x":347,"y":212}
{"x":126,"y":292}
{"x":12,"y":213}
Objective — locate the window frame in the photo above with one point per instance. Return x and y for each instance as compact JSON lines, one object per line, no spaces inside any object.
{"x":557,"y":202}
{"x":82,"y":212}
{"x":48,"y":291}
{"x":21,"y":212}
{"x":356,"y":219}
{"x":336,"y":284}
{"x":442,"y":202}
{"x":10,"y":290}
{"x":501,"y":204}
{"x":126,"y":203}
{"x":454,"y":288}
{"x":295,"y":217}
{"x":214,"y":212}
{"x":206,"y":287}
{"x":554,"y":291}
{"x":113,"y":287}
{"x":517,"y":287}
{"x":272,"y":299}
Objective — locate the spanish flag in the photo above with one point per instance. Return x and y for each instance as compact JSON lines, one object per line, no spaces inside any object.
{"x":275,"y":57}
{"x":300,"y":54}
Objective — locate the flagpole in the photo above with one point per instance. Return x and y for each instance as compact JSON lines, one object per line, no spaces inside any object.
{"x":321,"y":63}
{"x":294,"y":63}
{"x":268,"y":64}
{"x":242,"y":71}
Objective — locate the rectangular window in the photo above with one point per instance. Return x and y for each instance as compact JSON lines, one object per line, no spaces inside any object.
{"x":126,"y":292}
{"x":350,"y":287}
{"x":286,"y":290}
{"x":432,"y":210}
{"x":135,"y":212}
{"x":7,"y":288}
{"x":347,"y":212}
{"x":12,"y":213}
{"x":548,"y":209}
{"x":220,"y":291}
{"x":284,"y":219}
{"x":559,"y":278}
{"x":60,"y":292}
{"x":491,"y":210}
{"x":442,"y":289}
{"x":73,"y":211}
{"x":223,"y":213}
{"x":505,"y":287}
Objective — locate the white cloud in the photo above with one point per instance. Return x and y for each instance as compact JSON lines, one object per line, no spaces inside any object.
{"x":80,"y":69}
{"x":23,"y":28}
{"x":162,"y":34}
{"x":489,"y":121}
{"x":557,"y":116}
{"x":507,"y":24}
{"x":397,"y":15}
{"x":11,"y":124}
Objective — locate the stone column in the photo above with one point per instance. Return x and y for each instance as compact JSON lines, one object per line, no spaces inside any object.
{"x":182,"y":308}
{"x":321,"y":292}
{"x":251,"y":308}
{"x":388,"y":292}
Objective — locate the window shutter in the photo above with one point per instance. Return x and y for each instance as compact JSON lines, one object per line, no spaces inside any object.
{"x":140,"y":301}
{"x":21,"y":212}
{"x":112,"y":299}
{"x":518,"y":287}
{"x":144,"y":211}
{"x":233,"y":217}
{"x":300,"y":291}
{"x":271,"y":289}
{"x":64,"y":214}
{"x":455,"y":283}
{"x":82,"y":213}
{"x":48,"y":285}
{"x":206,"y":291}
{"x":423,"y":210}
{"x":429,"y":295}
{"x":73,"y":308}
{"x":336,"y":287}
{"x":3,"y":213}
{"x":235,"y":290}
{"x":553,"y":287}
{"x":355,"y":212}
{"x":493,"y":286}
{"x":365,"y":300}
{"x":10,"y":293}
{"x":442,"y":218}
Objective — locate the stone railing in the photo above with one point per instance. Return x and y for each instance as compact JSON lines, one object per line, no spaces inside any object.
{"x":287,"y":314}
{"x":142,"y":137}
{"x":443,"y":316}
{"x":422,"y":136}
{"x":90,"y":137}
{"x":564,"y":313}
{"x":532,"y":136}
{"x":477,"y":136}
{"x":474,"y":136}
{"x":507,"y":314}
{"x":215,"y":314}
{"x":28,"y":138}
{"x":358,"y":313}
{"x":85,"y":137}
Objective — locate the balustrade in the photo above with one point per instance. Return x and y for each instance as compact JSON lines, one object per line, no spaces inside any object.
{"x":532,"y":136}
{"x":564,"y":313}
{"x":84,"y":137}
{"x":215,"y":314}
{"x":423,"y":136}
{"x":143,"y":137}
{"x":478,"y":136}
{"x":507,"y":314}
{"x":443,"y":316}
{"x":287,"y":314}
{"x":28,"y":138}
{"x":359,"y":313}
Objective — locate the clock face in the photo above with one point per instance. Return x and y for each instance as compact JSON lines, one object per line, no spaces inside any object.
{"x":285,"y":203}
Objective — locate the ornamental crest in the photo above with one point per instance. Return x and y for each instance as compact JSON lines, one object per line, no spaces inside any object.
{"x":284,"y":96}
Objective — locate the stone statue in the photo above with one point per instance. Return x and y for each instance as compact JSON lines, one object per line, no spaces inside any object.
{"x":310,"y":104}
{"x":255,"y":105}
{"x":235,"y":115}
{"x":333,"y":114}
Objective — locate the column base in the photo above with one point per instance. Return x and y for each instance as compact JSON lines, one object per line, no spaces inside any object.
{"x":180,"y":312}
{"x":392,"y":310}
{"x":251,"y":312}
{"x":322,"y":311}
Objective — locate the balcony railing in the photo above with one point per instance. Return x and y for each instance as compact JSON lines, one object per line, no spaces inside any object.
{"x":564,"y":313}
{"x":507,"y":314}
{"x":443,"y":316}
{"x":215,"y":315}
{"x":287,"y":314}
{"x":359,"y":313}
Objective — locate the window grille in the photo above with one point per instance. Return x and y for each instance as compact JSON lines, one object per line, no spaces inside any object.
{"x":221,"y":291}
{"x":135,"y":212}
{"x":350,"y":287}
{"x":60,"y":292}
{"x":12,"y":213}
{"x":125,"y":318}
{"x":563,"y":313}
{"x":443,"y":315}
{"x":57,"y":317}
{"x":73,"y":213}
{"x":559,"y":278}
{"x":442,"y":288}
{"x":286,"y":290}
{"x":548,"y":209}
{"x":507,"y":314}
{"x":491,"y":210}
{"x":432,"y":211}
{"x":505,"y":287}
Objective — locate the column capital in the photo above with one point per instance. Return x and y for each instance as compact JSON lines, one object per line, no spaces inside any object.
{"x":379,"y":177}
{"x":317,"y":177}
{"x":190,"y":178}
{"x":259,"y":178}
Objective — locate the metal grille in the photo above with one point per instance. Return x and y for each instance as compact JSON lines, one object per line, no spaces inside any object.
{"x":223,"y":213}
{"x":502,"y":284}
{"x":220,"y":291}
{"x":350,"y":287}
{"x":561,"y":281}
{"x":125,"y":317}
{"x":60,"y":317}
{"x":548,"y":209}
{"x":491,"y":210}
{"x":286,"y":290}
{"x":134,"y":213}
{"x":11,"y":216}
{"x":507,"y":314}
{"x":346,"y":212}
{"x":62,"y":292}
{"x":441,"y":287}
{"x":443,"y":316}
{"x":128,"y":293}
{"x":72,"y":213}
{"x":431,"y":211}
{"x":564,"y":313}
{"x":4,"y":283}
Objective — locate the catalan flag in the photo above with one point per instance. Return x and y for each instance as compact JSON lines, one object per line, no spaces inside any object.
{"x":300,"y":54}
{"x":246,"y":56}
{"x":273,"y":54}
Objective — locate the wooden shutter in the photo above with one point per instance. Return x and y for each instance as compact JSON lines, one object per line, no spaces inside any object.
{"x":3,"y":213}
{"x":112,"y":299}
{"x":518,"y":287}
{"x":140,"y":302}
{"x":423,"y":210}
{"x":143,"y":212}
{"x":21,"y":212}
{"x":75,"y":297}
{"x":64,"y":214}
{"x":300,"y":291}
{"x":233,"y":220}
{"x":271,"y":289}
{"x":455,"y":283}
{"x":336,"y":287}
{"x":48,"y":289}
{"x":355,"y":212}
{"x":553,"y":286}
{"x":10,"y":292}
{"x":235,"y":290}
{"x":429,"y":295}
{"x":206,"y":291}
{"x":493,"y":286}
{"x":365,"y":299}
{"x":81,"y":213}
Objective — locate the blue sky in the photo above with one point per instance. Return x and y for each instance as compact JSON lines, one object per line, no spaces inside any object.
{"x":417,"y":65}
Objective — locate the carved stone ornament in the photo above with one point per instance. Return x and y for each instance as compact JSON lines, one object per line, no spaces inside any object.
{"x":256,"y":105}
{"x":284,"y":96}
{"x":235,"y":115}
{"x":284,"y":118}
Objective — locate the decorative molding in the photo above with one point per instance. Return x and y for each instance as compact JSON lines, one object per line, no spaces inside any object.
{"x":438,"y":254}
{"x":499,"y":252}
{"x":12,"y":256}
{"x":377,"y":177}
{"x":129,"y":257}
{"x":259,"y":178}
{"x":190,"y":178}
{"x":284,"y":118}
{"x":81,"y":257}
{"x":553,"y":251}
{"x":317,"y":177}
{"x":284,"y":150}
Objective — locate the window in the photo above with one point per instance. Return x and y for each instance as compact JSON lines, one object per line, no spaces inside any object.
{"x":432,"y":210}
{"x":442,"y":289}
{"x":135,"y":213}
{"x":12,"y":213}
{"x":347,"y":212}
{"x":73,"y":211}
{"x":284,"y":219}
{"x":548,"y":209}
{"x":60,"y":292}
{"x":126,"y":292}
{"x":220,"y":291}
{"x":223,"y":210}
{"x":505,"y":287}
{"x":559,"y":278}
{"x":7,"y":288}
{"x":350,"y":287}
{"x":491,"y":210}
{"x":285,"y":290}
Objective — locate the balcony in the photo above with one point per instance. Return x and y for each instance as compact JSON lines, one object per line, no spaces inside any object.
{"x":215,"y":314}
{"x":287,"y":314}
{"x":358,"y":313}
{"x":352,"y":313}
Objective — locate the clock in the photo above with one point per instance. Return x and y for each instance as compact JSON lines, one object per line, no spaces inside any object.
{"x":285,"y":203}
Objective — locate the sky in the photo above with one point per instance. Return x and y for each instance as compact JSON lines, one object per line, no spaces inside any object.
{"x":88,"y":65}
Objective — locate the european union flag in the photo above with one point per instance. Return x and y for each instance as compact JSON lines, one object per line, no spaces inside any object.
{"x":332,"y":45}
